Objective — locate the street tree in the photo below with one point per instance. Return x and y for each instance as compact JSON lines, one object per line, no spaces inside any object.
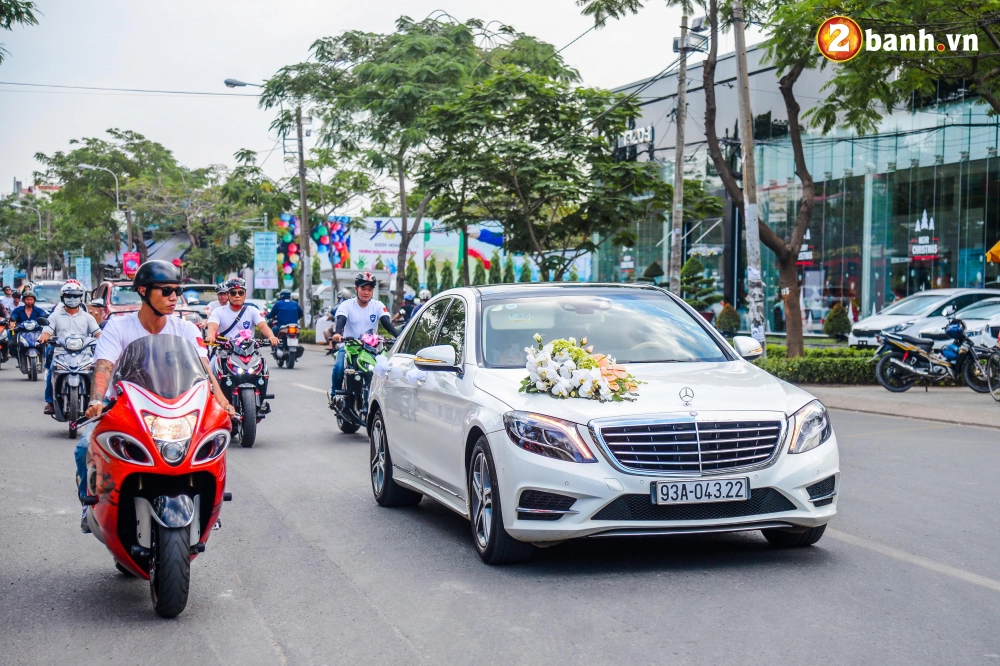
{"x":16,"y":12}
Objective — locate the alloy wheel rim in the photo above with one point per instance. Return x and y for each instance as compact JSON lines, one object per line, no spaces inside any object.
{"x":482,"y":500}
{"x":378,"y":458}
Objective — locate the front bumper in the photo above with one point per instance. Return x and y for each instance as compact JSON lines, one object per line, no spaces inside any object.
{"x":862,"y":341}
{"x":597,"y":485}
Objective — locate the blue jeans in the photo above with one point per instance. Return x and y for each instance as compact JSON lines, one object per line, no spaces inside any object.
{"x":338,"y":371}
{"x":48,"y":374}
{"x":82,"y":444}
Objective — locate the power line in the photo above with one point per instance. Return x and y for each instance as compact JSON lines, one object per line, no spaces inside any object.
{"x":128,"y":90}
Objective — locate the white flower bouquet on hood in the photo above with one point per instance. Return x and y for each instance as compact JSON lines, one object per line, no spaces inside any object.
{"x":568,"y":369}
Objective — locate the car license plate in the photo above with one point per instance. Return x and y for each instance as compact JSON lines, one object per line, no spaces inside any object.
{"x":293,"y":342}
{"x":690,"y":492}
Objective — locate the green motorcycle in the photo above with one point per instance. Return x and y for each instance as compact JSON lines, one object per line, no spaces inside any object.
{"x":351,"y":406}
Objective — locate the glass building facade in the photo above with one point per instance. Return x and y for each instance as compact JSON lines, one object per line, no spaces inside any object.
{"x":913,"y":207}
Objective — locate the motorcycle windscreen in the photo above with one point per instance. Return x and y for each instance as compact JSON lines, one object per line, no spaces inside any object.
{"x":166,"y":365}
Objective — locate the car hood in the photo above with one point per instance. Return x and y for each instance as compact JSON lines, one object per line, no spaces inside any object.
{"x":881,"y":322}
{"x":731,"y":386}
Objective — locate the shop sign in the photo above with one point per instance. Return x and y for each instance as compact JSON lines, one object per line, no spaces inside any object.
{"x":924,"y":247}
{"x":636,"y":136}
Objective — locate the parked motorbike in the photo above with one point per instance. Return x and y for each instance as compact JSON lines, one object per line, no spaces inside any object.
{"x":288,"y":350}
{"x":351,"y":404}
{"x":72,"y":361}
{"x":242,"y":374}
{"x":904,"y":359}
{"x":29,"y":352}
{"x":157,"y":474}
{"x":4,"y":340}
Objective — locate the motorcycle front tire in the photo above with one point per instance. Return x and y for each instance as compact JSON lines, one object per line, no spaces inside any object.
{"x":977,"y":382}
{"x":885,"y":374}
{"x":248,"y":403}
{"x":72,"y":412}
{"x":32,"y":371}
{"x":170,"y":571}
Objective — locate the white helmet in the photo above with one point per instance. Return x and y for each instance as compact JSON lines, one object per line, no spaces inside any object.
{"x":425,"y":295}
{"x":71,"y":294}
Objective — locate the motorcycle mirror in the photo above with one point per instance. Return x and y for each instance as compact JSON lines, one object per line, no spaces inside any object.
{"x":43,"y":321}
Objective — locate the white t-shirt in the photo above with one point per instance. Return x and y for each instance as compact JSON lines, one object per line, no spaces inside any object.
{"x":215,"y":304}
{"x":122,"y":331}
{"x":361,"y":320}
{"x":322,"y":326}
{"x":225,"y":317}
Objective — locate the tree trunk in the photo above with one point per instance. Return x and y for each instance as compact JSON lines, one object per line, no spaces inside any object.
{"x":404,"y":238}
{"x":465,"y":258}
{"x":708,"y":81}
{"x":789,"y":278}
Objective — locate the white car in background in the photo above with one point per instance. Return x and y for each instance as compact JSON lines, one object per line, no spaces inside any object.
{"x":982,"y":325}
{"x":933,"y":306}
{"x":712,"y":443}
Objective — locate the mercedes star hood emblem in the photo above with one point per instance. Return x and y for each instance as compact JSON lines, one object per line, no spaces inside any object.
{"x":687,"y":395}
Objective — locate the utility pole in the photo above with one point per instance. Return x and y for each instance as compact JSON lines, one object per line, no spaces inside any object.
{"x":677,"y":216}
{"x":755,"y":287}
{"x":305,"y":266}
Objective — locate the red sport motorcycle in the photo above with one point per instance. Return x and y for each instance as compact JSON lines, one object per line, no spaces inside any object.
{"x":157,"y":467}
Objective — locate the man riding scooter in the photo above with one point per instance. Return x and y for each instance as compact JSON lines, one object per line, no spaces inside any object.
{"x":284,"y":319}
{"x":72,"y":319}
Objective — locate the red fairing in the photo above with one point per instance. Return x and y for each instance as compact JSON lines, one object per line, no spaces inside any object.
{"x":119,"y":480}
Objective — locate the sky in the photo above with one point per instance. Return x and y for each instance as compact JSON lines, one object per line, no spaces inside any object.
{"x":193,"y":45}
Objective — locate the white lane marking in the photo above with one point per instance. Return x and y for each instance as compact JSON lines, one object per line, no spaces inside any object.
{"x":910,"y":558}
{"x":309,"y":388}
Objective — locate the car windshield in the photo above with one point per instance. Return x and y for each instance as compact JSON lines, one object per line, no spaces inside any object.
{"x":47,"y":293}
{"x":979,"y":311}
{"x":633,"y":325}
{"x":912,"y":305}
{"x":200,"y":295}
{"x":166,"y":365}
{"x":125,"y":296}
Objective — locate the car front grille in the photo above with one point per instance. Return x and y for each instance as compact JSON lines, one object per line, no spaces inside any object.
{"x":691,"y":446}
{"x":641,"y":507}
{"x":863,"y":333}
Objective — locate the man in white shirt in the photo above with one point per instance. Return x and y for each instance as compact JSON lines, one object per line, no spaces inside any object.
{"x":70,"y":319}
{"x":325,"y":327}
{"x":7,"y":300}
{"x":237,"y":316}
{"x":222,"y":293}
{"x":355,"y":317}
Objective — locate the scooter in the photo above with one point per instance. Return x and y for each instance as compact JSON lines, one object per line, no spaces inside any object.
{"x":242,"y":374}
{"x":72,"y":361}
{"x":904,"y":359}
{"x":351,"y":404}
{"x":4,"y":341}
{"x":29,"y":355}
{"x":156,"y":472}
{"x":288,"y":350}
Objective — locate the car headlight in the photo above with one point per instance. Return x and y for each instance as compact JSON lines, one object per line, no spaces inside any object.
{"x":899,"y":327}
{"x":547,"y":436}
{"x":810,"y":427}
{"x":171,"y":436}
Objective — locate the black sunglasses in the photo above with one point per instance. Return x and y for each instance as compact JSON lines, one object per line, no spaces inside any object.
{"x":237,"y":292}
{"x":168,"y":291}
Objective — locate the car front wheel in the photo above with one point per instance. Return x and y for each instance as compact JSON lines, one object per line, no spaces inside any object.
{"x":493,"y":543}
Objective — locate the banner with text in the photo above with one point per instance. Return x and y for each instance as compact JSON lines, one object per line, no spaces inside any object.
{"x":265,"y":260}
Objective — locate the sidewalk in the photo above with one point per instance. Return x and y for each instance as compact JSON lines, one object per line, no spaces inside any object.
{"x":949,"y":405}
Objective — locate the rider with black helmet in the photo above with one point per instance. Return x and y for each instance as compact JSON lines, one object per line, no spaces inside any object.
{"x":355,"y":317}
{"x":285,"y":311}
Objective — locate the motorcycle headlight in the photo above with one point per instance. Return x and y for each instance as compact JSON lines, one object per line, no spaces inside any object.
{"x":172,"y":436}
{"x":547,"y":436}
{"x":810,"y":427}
{"x":74,"y":344}
{"x":212,"y":446}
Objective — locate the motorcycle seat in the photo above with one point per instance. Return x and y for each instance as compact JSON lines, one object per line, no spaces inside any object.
{"x":923,"y":343}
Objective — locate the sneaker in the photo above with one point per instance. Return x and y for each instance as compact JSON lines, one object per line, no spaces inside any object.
{"x":84,"y":525}
{"x":50,"y":409}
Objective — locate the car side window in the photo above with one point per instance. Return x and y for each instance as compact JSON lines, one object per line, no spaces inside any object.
{"x":426,"y":327}
{"x":453,"y":328}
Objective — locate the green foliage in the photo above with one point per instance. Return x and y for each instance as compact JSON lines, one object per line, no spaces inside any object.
{"x":447,"y":276}
{"x":573,"y":275}
{"x":479,"y":275}
{"x":412,"y":274}
{"x":13,"y":12}
{"x":525,"y":275}
{"x":811,"y":369}
{"x":496,"y":272}
{"x":653,"y":271}
{"x":838,"y":322}
{"x":728,"y":320}
{"x":696,"y":289}
{"x":432,"y":276}
{"x":508,"y":270}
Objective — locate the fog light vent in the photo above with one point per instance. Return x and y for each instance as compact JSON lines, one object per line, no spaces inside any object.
{"x":540,"y":505}
{"x":823,"y":489}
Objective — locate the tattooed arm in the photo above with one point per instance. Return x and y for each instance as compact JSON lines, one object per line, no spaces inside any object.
{"x":99,"y":386}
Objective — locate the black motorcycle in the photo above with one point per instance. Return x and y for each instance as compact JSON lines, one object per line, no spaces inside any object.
{"x":242,"y":374}
{"x":29,"y":351}
{"x":288,"y":350}
{"x":351,"y":403}
{"x":904,"y":359}
{"x":72,"y":361}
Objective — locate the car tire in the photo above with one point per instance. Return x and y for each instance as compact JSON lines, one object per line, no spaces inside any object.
{"x":492,"y":542}
{"x":783,"y":539}
{"x":387,"y":492}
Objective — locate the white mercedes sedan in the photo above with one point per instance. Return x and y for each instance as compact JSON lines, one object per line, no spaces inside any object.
{"x":711,"y":443}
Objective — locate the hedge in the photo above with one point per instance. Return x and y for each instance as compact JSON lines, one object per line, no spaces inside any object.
{"x":837,"y":365}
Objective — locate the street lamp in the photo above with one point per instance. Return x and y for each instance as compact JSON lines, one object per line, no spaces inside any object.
{"x":236,"y":83}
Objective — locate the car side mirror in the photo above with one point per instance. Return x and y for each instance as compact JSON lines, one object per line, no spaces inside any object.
{"x":98,"y":302}
{"x":747,"y":347}
{"x":948,"y":311}
{"x":437,"y":358}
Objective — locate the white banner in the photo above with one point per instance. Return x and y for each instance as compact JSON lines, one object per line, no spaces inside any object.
{"x":265,"y":260}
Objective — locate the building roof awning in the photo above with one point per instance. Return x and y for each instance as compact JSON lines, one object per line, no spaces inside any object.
{"x":993,"y":254}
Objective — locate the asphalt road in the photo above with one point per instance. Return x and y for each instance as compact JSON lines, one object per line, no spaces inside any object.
{"x":307,"y":569}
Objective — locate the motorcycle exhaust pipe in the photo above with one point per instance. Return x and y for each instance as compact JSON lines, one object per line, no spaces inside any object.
{"x":920,"y":373}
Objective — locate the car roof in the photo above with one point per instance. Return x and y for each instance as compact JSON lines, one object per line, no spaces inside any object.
{"x":491,"y":292}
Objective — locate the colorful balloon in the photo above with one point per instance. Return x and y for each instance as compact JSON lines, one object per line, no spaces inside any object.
{"x":293,"y":248}
{"x":324,"y":240}
{"x":287,"y":238}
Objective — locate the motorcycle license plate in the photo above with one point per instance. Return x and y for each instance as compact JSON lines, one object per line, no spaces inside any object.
{"x":691,"y":492}
{"x":293,"y":342}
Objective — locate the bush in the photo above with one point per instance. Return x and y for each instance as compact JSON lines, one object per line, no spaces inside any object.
{"x":307,"y":335}
{"x":728,"y":320}
{"x":836,"y":365}
{"x":838,"y":322}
